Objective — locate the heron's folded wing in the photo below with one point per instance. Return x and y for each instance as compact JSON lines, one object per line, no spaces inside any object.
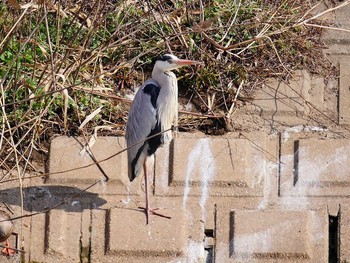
{"x":142,"y":118}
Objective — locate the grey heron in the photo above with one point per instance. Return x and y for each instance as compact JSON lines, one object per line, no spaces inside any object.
{"x":152,"y":113}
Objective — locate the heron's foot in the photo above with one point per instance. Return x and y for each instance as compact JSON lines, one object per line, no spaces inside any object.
{"x":154,"y":212}
{"x":8,"y":251}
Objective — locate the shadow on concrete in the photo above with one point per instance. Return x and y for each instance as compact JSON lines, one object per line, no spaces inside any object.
{"x":39,"y":198}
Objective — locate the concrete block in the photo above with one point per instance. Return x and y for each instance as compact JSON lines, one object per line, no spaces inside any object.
{"x":98,"y":235}
{"x":315,"y":95}
{"x":215,"y":166}
{"x":282,"y":98}
{"x":63,"y":234}
{"x":315,"y":167}
{"x":337,"y":41}
{"x":66,"y":156}
{"x":55,"y":237}
{"x":134,"y":236}
{"x":37,"y":238}
{"x":121,"y":235}
{"x":266,"y":236}
{"x":253,"y":235}
{"x":344,"y":91}
{"x":85,"y":236}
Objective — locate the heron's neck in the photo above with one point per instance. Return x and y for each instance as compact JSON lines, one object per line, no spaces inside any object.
{"x":165,"y":79}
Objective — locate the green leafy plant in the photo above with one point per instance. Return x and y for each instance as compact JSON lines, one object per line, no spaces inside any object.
{"x":62,"y":60}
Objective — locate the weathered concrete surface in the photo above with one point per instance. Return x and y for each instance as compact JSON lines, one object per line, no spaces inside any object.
{"x":276,"y":191}
{"x":344,"y":91}
{"x":267,"y":235}
{"x":289,"y":184}
{"x":69,"y":153}
{"x":229,"y":166}
{"x":337,"y":41}
{"x":315,"y":167}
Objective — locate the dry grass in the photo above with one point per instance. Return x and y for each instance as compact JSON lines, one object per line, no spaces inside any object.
{"x":66,"y":67}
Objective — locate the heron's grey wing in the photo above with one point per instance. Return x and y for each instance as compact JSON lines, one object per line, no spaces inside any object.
{"x":142,"y":119}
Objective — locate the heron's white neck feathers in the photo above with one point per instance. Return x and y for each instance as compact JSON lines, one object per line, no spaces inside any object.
{"x":167,"y":102}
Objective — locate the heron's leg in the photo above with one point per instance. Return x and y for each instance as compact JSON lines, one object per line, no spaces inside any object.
{"x":146,"y":190}
{"x":146,"y":165}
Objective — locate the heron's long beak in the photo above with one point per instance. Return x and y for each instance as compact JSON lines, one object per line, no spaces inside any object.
{"x":185,"y":62}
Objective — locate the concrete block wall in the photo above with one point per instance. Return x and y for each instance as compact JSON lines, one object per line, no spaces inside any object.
{"x":248,"y":197}
{"x":277,"y":190}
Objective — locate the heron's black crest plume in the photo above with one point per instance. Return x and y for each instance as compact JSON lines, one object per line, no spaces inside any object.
{"x":161,"y":58}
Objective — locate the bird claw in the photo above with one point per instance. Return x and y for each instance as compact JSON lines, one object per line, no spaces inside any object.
{"x":8,"y":251}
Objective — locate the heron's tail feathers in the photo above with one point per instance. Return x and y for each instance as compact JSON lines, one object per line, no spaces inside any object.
{"x":132,"y":173}
{"x":136,"y":165}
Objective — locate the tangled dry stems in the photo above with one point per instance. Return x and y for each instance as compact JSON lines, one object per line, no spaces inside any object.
{"x":67,"y":67}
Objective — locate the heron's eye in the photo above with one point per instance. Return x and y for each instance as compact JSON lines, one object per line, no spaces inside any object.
{"x":170,"y":61}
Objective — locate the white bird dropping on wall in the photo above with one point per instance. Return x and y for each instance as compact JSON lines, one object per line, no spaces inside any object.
{"x":201,"y":158}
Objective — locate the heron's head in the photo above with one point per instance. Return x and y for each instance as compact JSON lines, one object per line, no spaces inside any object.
{"x":169,"y":62}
